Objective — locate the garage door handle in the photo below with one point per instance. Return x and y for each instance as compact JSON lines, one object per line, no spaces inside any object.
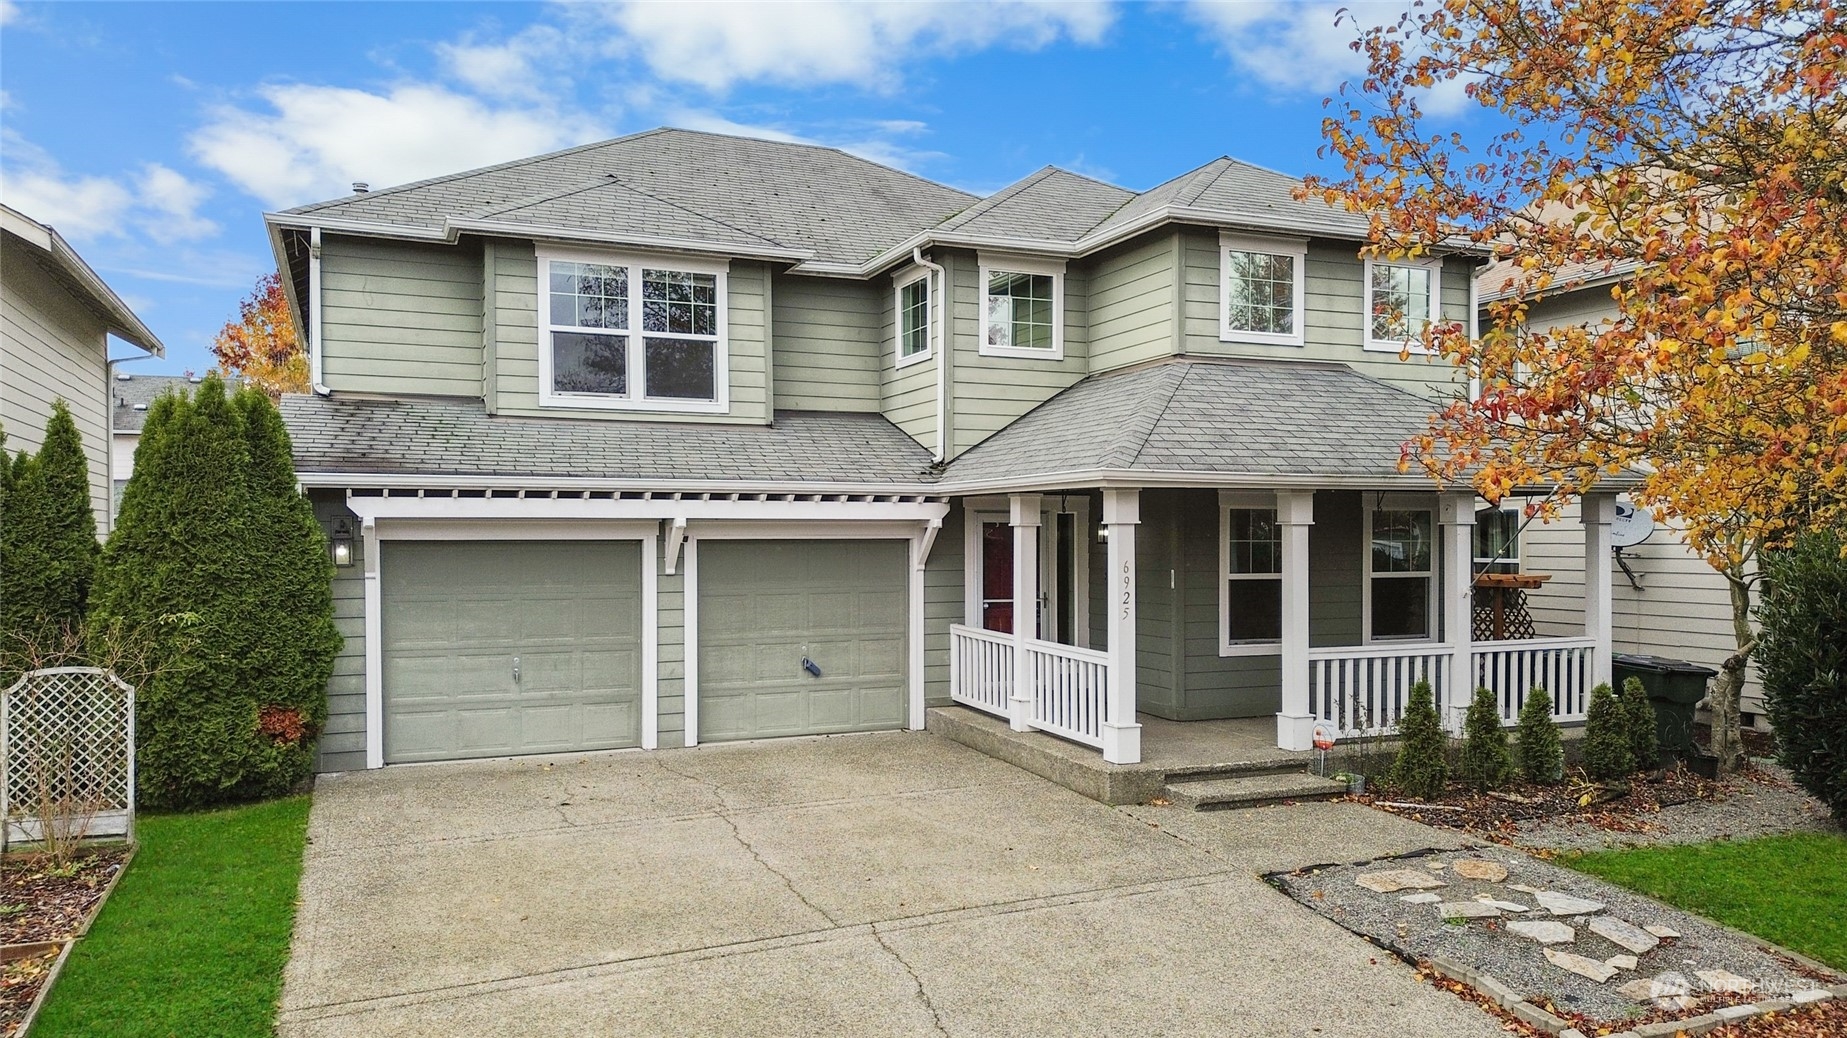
{"x":811,"y":667}
{"x":516,"y":670}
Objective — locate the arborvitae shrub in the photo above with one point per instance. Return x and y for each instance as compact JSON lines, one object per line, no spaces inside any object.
{"x":48,"y":548}
{"x":1487,"y":763}
{"x":1639,"y":714}
{"x":1802,"y":659}
{"x":1421,"y":767}
{"x":1606,"y":736}
{"x":1540,"y":753}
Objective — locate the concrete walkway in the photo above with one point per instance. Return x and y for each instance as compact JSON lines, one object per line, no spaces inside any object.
{"x":865,"y":885}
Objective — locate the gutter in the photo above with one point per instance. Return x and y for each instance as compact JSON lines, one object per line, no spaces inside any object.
{"x":941,"y":298}
{"x":314,"y":314}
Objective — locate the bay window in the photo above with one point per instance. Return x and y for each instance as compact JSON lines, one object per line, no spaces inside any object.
{"x":631,"y":333}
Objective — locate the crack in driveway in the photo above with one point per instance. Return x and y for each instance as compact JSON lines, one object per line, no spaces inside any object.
{"x":923,"y":996}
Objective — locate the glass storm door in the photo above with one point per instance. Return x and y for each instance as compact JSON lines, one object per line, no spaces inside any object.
{"x":1063,"y":576}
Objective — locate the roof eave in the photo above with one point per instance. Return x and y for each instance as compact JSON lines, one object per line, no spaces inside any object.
{"x":118,"y":318}
{"x":453,"y":229}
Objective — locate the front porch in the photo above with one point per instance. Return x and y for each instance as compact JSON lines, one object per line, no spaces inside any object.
{"x":1258,"y":614}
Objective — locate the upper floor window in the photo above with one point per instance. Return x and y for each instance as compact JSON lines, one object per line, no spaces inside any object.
{"x":1401,"y":301}
{"x":1023,"y":308}
{"x":1250,"y":575}
{"x":632,"y":333}
{"x":1261,"y":290}
{"x":913,"y":309}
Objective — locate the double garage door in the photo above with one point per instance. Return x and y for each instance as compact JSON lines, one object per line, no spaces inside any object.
{"x":501,"y":648}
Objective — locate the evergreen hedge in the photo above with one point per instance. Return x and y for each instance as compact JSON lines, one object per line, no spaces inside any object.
{"x":1802,"y":659}
{"x":1487,"y":763}
{"x":1639,"y":715}
{"x":1540,"y":752}
{"x":1422,"y":765}
{"x":48,"y":548}
{"x":1606,"y":736}
{"x":206,"y":531}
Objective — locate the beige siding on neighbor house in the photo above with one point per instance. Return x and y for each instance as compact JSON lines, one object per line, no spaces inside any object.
{"x":53,"y":348}
{"x":401,"y":318}
{"x":988,"y":393}
{"x":515,"y":348}
{"x":828,"y":337}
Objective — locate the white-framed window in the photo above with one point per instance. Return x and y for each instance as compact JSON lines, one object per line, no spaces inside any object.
{"x":1261,"y":289}
{"x":632,"y":332}
{"x":1400,"y":599}
{"x":1497,"y":539}
{"x":1022,"y":308}
{"x":911,"y":303}
{"x":1250,"y":575}
{"x":1402,"y":298}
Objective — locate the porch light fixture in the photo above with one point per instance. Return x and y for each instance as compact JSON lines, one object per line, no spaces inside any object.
{"x":1102,"y":533}
{"x":340,"y":544}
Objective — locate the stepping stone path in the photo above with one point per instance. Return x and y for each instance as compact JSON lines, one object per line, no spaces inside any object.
{"x":1721,"y":980}
{"x":1545,"y":931}
{"x":1467,"y":910}
{"x":1391,"y":881}
{"x":1505,"y":906}
{"x":1421,"y":899}
{"x":1476,"y":868}
{"x":1659,"y":991}
{"x":1565,"y":904}
{"x":1663,"y":932}
{"x":1580,"y":965}
{"x":1621,"y":962}
{"x":1623,"y":935}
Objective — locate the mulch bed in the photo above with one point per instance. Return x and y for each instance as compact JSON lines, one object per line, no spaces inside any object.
{"x":19,"y":984}
{"x":1616,"y":807}
{"x":1590,"y":1025}
{"x":40,"y":903}
{"x":1822,"y":1020}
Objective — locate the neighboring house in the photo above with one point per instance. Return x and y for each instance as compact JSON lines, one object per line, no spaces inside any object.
{"x":681,"y":438}
{"x":56,"y":316}
{"x":131,"y":396}
{"x":1669,"y":603}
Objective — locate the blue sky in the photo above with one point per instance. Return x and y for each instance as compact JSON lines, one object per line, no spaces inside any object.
{"x":154,"y":135}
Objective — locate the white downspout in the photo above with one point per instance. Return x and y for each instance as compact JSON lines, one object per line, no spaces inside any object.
{"x":314,"y":313}
{"x":942,"y":350}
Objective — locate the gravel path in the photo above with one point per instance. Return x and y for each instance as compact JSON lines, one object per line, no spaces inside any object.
{"x":1419,"y":931}
{"x":1760,"y":807}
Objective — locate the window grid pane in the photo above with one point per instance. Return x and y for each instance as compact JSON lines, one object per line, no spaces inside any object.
{"x":1020,"y":310}
{"x":1400,"y":301}
{"x":1261,"y":292}
{"x":589,"y":295}
{"x":1401,"y":541}
{"x":914,"y":318}
{"x":1254,"y":541}
{"x":679,"y":302}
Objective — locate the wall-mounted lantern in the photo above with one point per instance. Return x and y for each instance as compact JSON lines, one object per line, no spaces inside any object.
{"x":340,"y":543}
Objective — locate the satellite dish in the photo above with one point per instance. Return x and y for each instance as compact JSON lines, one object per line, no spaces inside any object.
{"x":1632,"y":526}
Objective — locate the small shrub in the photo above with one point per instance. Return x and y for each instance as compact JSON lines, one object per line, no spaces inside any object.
{"x":1540,"y":753}
{"x":1606,"y":736}
{"x":1487,"y":763}
{"x":1802,"y":658}
{"x":1421,"y":767}
{"x":1639,"y":714}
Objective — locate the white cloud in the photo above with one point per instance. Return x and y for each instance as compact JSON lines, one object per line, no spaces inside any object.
{"x":1307,"y":46}
{"x":158,"y":201}
{"x":314,"y":141}
{"x":9,"y":12}
{"x":173,"y":203}
{"x":716,"y":45}
{"x":522,"y":67}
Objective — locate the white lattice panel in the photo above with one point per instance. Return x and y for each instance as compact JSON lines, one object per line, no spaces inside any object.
{"x":69,"y":739}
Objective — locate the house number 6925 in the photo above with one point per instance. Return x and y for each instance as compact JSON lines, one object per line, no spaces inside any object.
{"x":1128,"y":588}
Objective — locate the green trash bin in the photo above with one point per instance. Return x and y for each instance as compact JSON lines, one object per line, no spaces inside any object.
{"x":1675,"y":688}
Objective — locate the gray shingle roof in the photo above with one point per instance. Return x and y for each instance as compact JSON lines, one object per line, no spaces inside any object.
{"x":133,"y":395}
{"x":804,"y":198}
{"x":1247,"y":196}
{"x":1208,"y":416}
{"x":1050,"y":205}
{"x":459,"y":438}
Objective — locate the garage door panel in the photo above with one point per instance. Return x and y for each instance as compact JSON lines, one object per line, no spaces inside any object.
{"x":764,"y":605}
{"x":456,"y":614}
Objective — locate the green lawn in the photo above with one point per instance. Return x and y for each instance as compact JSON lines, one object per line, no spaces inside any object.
{"x":1789,"y":890}
{"x":193,"y":941}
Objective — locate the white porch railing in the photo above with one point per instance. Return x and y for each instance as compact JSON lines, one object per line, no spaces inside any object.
{"x":981,"y":669}
{"x":1363,"y":690}
{"x":1069,"y":686}
{"x":1562,"y":666}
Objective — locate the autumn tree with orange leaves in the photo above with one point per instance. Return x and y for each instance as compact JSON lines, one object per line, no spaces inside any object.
{"x":1697,"y":147}
{"x":261,"y":345}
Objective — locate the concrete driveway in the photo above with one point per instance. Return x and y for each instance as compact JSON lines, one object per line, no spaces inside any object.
{"x":873,"y":885}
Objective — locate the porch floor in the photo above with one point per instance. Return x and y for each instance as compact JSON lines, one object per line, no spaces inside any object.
{"x":1168,"y":748}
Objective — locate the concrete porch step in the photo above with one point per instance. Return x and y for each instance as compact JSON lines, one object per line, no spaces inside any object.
{"x":1234,"y":769}
{"x":1252,"y":790}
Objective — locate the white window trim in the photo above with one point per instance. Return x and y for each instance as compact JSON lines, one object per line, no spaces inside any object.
{"x":1415,"y":344}
{"x":1399,"y":503}
{"x":989,"y":263}
{"x":1515,"y":509}
{"x":1229,"y":500}
{"x":899,"y":283}
{"x":636,"y":400}
{"x":1296,"y":248}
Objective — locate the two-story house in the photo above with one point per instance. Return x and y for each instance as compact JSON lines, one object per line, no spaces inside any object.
{"x":681,"y":438}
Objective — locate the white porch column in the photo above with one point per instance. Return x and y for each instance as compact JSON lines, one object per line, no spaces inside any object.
{"x":1457,"y":516}
{"x":1598,"y":512}
{"x":1122,"y":736}
{"x":1295,"y":722}
{"x":1025,"y":521}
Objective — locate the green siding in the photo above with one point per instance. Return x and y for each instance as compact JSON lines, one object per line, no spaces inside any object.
{"x":944,"y":602}
{"x":1132,"y":303}
{"x":670,"y":589}
{"x":343,"y":741}
{"x":908,"y":396}
{"x":988,"y":393}
{"x":400,"y":318}
{"x":828,"y":338}
{"x":1159,"y":676}
{"x":516,"y":344}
